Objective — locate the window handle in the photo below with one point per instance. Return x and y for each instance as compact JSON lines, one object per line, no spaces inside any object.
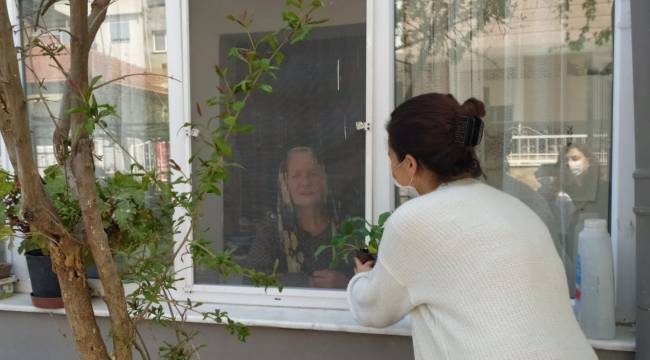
{"x":363,"y":125}
{"x":194,"y":132}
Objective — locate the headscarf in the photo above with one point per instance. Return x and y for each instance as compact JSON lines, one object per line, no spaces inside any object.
{"x":287,"y":220}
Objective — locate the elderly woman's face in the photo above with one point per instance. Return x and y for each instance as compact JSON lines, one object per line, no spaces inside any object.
{"x":305,"y":179}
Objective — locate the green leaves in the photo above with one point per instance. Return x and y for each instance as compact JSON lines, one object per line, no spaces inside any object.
{"x":292,"y":19}
{"x":354,"y":234}
{"x":299,"y":4}
{"x":95,"y":113}
{"x":382,"y":218}
{"x":300,"y":35}
{"x":142,"y":229}
{"x":279,"y":58}
{"x":238,"y":106}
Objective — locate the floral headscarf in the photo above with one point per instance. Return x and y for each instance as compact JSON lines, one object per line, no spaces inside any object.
{"x":287,"y":220}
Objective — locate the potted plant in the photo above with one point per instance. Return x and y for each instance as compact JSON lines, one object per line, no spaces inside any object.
{"x":132,"y":215}
{"x":134,"y":220}
{"x":6,"y":188}
{"x":45,"y":286}
{"x":131,"y":221}
{"x":356,"y":236}
{"x":46,"y":292}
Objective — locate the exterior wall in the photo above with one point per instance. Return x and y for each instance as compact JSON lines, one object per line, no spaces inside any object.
{"x":130,"y":51}
{"x":45,"y":336}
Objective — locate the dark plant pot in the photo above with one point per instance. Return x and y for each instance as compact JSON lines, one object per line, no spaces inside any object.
{"x":93,"y":273}
{"x":364,"y":256}
{"x":45,"y":285}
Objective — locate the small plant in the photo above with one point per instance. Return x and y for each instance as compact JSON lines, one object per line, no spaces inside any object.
{"x":351,"y":238}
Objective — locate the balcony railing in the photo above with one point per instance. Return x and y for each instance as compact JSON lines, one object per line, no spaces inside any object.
{"x":536,"y":150}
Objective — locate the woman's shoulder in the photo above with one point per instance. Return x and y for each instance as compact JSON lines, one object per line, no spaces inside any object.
{"x":444,"y":206}
{"x":440,"y":199}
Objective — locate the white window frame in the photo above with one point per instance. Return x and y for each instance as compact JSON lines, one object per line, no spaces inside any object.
{"x":156,"y":50}
{"x":623,"y":219}
{"x":379,"y":189}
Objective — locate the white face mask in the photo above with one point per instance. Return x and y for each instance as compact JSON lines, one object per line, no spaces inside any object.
{"x":577,"y":167}
{"x":407,"y":188}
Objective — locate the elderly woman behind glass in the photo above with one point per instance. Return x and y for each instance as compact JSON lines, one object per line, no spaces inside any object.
{"x":304,"y":220}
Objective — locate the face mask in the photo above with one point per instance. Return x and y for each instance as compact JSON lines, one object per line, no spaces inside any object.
{"x":407,"y":188}
{"x":577,"y":167}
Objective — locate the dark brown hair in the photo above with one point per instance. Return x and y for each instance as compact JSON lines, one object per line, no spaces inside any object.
{"x":425,"y":127}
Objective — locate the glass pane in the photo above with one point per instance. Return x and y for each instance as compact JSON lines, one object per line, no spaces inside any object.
{"x":547,"y":86}
{"x":141,"y":101}
{"x":303,"y":166}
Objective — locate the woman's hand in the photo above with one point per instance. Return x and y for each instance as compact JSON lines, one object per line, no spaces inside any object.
{"x":328,"y":279}
{"x":362,"y":267}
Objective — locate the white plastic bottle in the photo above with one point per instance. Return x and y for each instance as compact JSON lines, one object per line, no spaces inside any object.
{"x":595,"y":281}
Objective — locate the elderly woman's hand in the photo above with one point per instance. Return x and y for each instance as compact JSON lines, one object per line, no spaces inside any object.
{"x":328,"y":279}
{"x":362,"y":267}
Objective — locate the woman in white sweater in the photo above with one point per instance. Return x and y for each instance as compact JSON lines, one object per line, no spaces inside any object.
{"x":474,"y":267}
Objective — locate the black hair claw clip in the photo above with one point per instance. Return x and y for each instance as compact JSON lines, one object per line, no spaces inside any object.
{"x":469,"y":131}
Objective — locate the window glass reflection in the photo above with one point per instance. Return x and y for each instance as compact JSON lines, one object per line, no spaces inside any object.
{"x":547,"y":86}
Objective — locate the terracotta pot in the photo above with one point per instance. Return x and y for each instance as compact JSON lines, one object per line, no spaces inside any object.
{"x":47,"y":303}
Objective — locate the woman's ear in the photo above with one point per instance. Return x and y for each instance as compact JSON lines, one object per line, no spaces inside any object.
{"x":411,"y":162}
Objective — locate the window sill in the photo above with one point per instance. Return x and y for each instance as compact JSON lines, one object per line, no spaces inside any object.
{"x":261,"y":316}
{"x":303,"y":319}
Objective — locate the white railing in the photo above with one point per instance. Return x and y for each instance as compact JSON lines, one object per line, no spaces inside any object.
{"x":536,"y":150}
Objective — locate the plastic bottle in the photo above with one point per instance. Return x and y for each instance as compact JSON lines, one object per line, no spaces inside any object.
{"x":595,"y":281}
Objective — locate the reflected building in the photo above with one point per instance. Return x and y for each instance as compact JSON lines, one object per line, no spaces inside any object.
{"x":131,"y":41}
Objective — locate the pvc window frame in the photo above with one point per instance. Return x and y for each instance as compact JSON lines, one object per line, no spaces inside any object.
{"x":379,"y":190}
{"x":380,"y":98}
{"x":378,"y":186}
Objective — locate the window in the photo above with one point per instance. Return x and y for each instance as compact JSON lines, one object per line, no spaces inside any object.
{"x":159,"y":41}
{"x":542,"y":95}
{"x":305,"y":160}
{"x":120,"y":31}
{"x":548,"y":95}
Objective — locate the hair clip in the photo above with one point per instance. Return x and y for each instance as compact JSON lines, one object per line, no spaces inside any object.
{"x":469,"y":131}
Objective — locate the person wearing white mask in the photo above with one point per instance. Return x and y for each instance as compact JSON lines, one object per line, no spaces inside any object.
{"x":588,"y":197}
{"x":474,"y":268}
{"x":577,"y":162}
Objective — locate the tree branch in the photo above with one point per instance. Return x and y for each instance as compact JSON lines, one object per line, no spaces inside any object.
{"x":96,"y":18}
{"x":83,"y":170}
{"x":37,"y":209}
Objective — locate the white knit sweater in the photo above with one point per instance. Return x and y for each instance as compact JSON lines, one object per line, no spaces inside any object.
{"x":478,"y":274}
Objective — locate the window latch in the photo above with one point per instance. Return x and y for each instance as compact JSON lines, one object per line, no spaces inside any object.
{"x":363,"y":125}
{"x":192,"y":132}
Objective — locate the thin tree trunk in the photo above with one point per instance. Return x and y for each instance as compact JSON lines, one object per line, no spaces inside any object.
{"x":83,"y":170}
{"x":84,"y":173}
{"x":67,"y":261}
{"x":65,"y":252}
